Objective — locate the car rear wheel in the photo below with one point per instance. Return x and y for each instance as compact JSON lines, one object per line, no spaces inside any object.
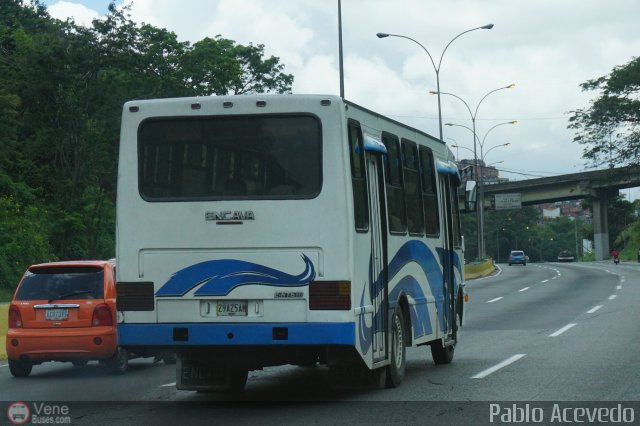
{"x":119,"y":363}
{"x":20,"y":368}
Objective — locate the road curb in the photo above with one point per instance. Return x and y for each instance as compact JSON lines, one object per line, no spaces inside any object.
{"x":472,"y":272}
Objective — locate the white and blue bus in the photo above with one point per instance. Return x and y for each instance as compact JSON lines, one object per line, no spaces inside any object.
{"x":266,"y":230}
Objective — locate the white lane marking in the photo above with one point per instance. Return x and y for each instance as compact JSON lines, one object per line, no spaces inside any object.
{"x":524,"y":289}
{"x":544,"y":281}
{"x":168,"y":384}
{"x":613,"y":296}
{"x":495,"y":300}
{"x":594,"y":309}
{"x":3,"y":365}
{"x":619,"y":287}
{"x":562,"y":330}
{"x":497,"y":367}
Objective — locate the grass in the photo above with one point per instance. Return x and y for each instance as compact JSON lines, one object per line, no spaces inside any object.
{"x":4,"y":317}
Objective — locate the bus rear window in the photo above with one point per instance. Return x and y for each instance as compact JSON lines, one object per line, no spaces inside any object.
{"x":205,"y":158}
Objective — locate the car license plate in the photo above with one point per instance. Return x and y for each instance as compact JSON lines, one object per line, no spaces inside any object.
{"x":56,"y":314}
{"x":232,"y":308}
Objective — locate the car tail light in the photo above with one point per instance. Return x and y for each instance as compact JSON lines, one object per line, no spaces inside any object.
{"x":102,"y":316}
{"x":15,"y":319}
{"x":330,"y":295}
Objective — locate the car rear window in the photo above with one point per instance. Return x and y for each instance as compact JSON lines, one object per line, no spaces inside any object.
{"x":517,"y":253}
{"x":86,"y":282}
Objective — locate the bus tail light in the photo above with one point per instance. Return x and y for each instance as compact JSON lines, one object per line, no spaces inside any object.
{"x":15,"y":318}
{"x":330,"y":295}
{"x":102,"y":316}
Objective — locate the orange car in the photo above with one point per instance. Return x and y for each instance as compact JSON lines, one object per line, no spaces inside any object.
{"x":65,"y":311}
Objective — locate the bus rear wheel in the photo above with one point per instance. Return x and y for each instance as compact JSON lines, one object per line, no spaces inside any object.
{"x":442,"y":354}
{"x":396,"y":370}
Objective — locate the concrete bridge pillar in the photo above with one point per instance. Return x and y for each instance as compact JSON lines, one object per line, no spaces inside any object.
{"x":601,"y":225}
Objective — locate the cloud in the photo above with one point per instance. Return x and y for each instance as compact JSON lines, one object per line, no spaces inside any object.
{"x":546,"y":47}
{"x":81,"y":14}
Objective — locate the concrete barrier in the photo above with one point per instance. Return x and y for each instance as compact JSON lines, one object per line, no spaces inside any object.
{"x":479,"y":270}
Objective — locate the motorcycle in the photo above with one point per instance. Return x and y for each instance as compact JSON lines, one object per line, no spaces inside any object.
{"x":616,"y":260}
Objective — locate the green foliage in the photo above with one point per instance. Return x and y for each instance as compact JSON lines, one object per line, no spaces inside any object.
{"x":62,"y":87}
{"x":524,"y":229}
{"x":23,"y":239}
{"x":629,"y":242}
{"x":610,"y":127}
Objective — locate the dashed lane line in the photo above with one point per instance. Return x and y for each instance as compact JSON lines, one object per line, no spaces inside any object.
{"x":619,"y":287}
{"x":3,"y":365}
{"x":613,"y":296}
{"x":524,"y":289}
{"x":562,"y":330}
{"x":594,"y":309}
{"x":168,"y":385}
{"x":495,"y":300}
{"x":497,"y":367}
{"x":544,"y":281}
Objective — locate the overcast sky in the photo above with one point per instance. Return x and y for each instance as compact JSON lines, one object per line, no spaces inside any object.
{"x":546,"y":47}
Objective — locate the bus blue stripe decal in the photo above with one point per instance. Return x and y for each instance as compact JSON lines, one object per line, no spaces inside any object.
{"x":219,"y":277}
{"x":238,"y":334}
{"x":419,"y":311}
{"x":417,"y":251}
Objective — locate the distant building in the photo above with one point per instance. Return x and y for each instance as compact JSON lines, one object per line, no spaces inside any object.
{"x":572,"y":209}
{"x":490,"y":174}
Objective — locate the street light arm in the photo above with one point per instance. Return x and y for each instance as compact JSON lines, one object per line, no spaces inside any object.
{"x":383,"y":35}
{"x":497,"y":125}
{"x":462,"y":147}
{"x":457,"y":97}
{"x":494,"y":147}
{"x":484,"y":27}
{"x":474,"y":115}
{"x":466,"y":127}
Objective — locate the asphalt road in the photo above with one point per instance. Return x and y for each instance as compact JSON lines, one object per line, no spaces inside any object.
{"x":533,"y":334}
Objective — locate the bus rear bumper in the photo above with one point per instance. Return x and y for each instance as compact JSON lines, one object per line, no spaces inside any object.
{"x":231,"y":334}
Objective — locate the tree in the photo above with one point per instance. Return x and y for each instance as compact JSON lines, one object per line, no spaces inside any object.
{"x":62,"y":87}
{"x":508,"y":230}
{"x":610,"y":128}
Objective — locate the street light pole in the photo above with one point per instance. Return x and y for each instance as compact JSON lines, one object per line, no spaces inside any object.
{"x":436,"y":68}
{"x":479,"y":176}
{"x":477,"y":169}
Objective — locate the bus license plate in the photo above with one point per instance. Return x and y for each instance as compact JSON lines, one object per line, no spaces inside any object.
{"x":56,"y":314}
{"x":232,"y":308}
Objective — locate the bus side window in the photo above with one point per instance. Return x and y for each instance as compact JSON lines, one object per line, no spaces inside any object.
{"x":455,"y":213}
{"x":415,"y":219}
{"x":358,"y":177}
{"x":393,"y":178}
{"x":429,"y":193}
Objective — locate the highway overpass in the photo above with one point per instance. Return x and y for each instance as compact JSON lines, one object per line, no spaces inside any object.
{"x":599,"y":186}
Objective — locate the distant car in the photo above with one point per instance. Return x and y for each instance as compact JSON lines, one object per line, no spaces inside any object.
{"x":65,"y":311}
{"x":517,"y":257}
{"x":565,"y":256}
